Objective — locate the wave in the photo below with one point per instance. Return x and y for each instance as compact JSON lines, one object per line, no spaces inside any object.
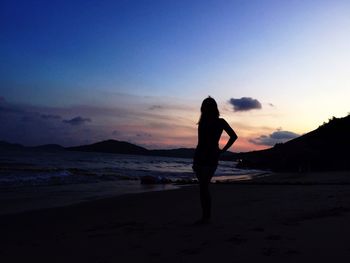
{"x":71,"y":168}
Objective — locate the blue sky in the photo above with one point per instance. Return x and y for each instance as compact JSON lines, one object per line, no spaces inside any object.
{"x":75,"y":57}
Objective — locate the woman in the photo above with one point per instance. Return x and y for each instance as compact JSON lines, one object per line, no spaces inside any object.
{"x":207,"y":153}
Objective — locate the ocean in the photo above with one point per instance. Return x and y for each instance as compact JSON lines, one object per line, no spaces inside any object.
{"x":34,"y":168}
{"x":36,"y":179}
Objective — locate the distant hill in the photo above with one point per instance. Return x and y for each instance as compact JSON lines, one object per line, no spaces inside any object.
{"x":48,"y":147}
{"x":107,"y":146}
{"x":326,"y":148}
{"x":111,"y":146}
{"x":5,"y":146}
{"x":120,"y":147}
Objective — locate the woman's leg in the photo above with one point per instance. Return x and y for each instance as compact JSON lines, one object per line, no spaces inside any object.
{"x":205,"y":200}
{"x":205,"y":197}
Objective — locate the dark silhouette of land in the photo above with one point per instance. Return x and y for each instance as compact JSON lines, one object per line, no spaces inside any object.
{"x":6,"y":146}
{"x":326,"y":148}
{"x":112,"y":146}
{"x":120,"y":147}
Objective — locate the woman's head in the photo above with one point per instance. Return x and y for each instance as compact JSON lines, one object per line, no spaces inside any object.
{"x":209,"y":109}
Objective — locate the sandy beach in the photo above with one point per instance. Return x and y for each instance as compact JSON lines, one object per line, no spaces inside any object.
{"x":281,"y":218}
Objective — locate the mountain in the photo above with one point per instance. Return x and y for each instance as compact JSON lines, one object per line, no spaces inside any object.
{"x":111,"y":146}
{"x":120,"y":147}
{"x":5,"y":146}
{"x":326,"y":148}
{"x":48,"y":147}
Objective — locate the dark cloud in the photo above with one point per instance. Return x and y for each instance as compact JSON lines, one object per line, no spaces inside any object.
{"x":26,"y":126}
{"x":275,"y":137}
{"x":144,"y":135}
{"x":4,"y":109}
{"x":50,"y":117}
{"x":8,"y":108}
{"x":245,"y":104}
{"x":281,"y":135}
{"x":29,"y":118}
{"x":155,"y":107}
{"x":115,"y":132}
{"x":77,"y":121}
{"x":35,"y":125}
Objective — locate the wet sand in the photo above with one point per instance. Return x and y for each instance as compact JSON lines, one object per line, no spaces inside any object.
{"x":281,"y":218}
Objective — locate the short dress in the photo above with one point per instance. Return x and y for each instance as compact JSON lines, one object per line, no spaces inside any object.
{"x":207,"y":151}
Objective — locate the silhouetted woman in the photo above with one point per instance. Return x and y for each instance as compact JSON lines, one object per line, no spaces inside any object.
{"x":207,"y":153}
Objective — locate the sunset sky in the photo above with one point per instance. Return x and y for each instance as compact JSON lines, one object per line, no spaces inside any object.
{"x":76,"y":72}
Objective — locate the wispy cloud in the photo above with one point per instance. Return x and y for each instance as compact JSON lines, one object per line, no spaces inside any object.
{"x":32,"y":125}
{"x":50,"y":116}
{"x":6,"y":107}
{"x":155,"y":107}
{"x":151,"y":122}
{"x":77,"y":121}
{"x":115,"y":133}
{"x":273,"y":138}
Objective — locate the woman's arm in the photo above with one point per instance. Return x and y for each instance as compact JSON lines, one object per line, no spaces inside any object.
{"x":233,"y":136}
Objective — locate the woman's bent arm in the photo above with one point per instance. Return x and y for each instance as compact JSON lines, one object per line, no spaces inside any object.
{"x":233,"y":136}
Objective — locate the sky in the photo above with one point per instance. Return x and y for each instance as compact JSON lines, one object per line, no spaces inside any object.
{"x":77,"y":72}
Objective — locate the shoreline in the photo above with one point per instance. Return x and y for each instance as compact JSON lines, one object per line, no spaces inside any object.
{"x":35,"y":198}
{"x":32,"y":198}
{"x":18,"y":199}
{"x":274,"y":219}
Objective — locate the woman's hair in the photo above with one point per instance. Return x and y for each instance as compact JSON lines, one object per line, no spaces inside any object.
{"x":209,"y":110}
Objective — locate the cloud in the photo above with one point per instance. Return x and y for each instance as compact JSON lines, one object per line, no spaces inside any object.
{"x":8,"y":108}
{"x":245,"y":104}
{"x":26,"y":125}
{"x":30,"y":124}
{"x":155,"y":107}
{"x":115,"y":132}
{"x":50,"y":117}
{"x":34,"y":125}
{"x":77,"y":121}
{"x":147,"y":135}
{"x":273,"y":138}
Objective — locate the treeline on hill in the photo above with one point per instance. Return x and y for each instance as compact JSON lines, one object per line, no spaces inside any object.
{"x":326,"y":148}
